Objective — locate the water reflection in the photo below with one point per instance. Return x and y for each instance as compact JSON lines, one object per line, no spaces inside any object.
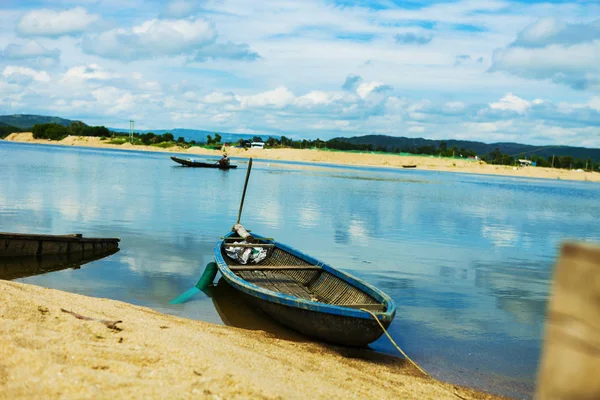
{"x":234,"y":310}
{"x":467,"y":259}
{"x":22,"y":267}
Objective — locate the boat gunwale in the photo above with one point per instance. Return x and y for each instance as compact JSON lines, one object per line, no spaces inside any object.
{"x":296,"y":302}
{"x":56,"y":238}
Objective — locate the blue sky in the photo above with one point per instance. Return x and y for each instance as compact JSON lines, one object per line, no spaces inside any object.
{"x":526,"y":71}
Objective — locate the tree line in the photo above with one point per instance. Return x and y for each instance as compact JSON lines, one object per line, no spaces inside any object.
{"x":54,"y":131}
{"x":59,"y":132}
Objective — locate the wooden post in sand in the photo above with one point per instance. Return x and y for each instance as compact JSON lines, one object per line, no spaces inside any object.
{"x":570,"y":363}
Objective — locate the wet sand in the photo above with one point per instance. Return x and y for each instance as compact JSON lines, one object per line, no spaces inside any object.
{"x":335,"y":157}
{"x":51,"y":354}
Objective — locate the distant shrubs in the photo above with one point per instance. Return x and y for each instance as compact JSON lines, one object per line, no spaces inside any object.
{"x":117,"y":141}
{"x":163,"y":145}
{"x":59,"y":132}
{"x":50,"y":131}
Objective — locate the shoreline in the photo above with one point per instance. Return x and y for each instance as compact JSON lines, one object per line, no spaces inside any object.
{"x":49,"y":353}
{"x":429,"y":163}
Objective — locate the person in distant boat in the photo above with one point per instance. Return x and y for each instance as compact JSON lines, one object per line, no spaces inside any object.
{"x":224,"y":162}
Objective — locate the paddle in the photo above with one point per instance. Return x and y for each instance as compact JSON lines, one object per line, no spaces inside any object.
{"x":244,"y":192}
{"x":210,"y":271}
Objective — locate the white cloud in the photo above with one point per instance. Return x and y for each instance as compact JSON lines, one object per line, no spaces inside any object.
{"x":17,"y":73}
{"x":218,"y":98}
{"x":365,"y":88}
{"x":550,"y":49}
{"x":29,"y":49}
{"x":154,"y":38}
{"x":548,"y":31}
{"x":277,"y":98}
{"x":115,"y":100}
{"x":316,"y":97}
{"x":513,"y":103}
{"x":193,"y":38}
{"x":52,"y":23}
{"x":87,"y":72}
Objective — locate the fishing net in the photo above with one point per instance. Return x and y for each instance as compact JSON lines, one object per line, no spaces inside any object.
{"x":246,"y":255}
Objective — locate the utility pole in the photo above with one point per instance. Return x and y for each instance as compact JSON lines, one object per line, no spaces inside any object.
{"x":131,"y":122}
{"x":552,"y":160}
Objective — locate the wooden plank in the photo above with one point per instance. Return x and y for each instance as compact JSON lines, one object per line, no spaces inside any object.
{"x":248,"y":245}
{"x":288,"y":285}
{"x":570,"y":362}
{"x":272,"y":267}
{"x":370,"y":307}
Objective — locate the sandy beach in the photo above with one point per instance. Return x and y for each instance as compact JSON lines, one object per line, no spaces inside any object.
{"x":336,"y":157}
{"x":48,"y":353}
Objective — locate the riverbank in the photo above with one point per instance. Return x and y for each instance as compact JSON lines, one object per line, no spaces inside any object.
{"x":48,"y":353}
{"x":336,"y":157}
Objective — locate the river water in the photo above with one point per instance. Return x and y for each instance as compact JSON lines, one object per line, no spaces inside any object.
{"x":467,"y":258}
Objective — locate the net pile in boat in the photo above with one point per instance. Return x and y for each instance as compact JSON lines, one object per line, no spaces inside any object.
{"x":310,"y":284}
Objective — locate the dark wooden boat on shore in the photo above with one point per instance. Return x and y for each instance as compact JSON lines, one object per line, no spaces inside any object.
{"x":305,"y":294}
{"x":23,"y":267}
{"x":24,"y":244}
{"x":409,"y":166}
{"x":198,"y":164}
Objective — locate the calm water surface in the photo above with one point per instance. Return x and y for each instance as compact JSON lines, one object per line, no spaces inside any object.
{"x":467,"y":258}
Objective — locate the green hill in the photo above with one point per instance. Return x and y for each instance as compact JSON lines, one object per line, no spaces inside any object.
{"x":410,"y":145}
{"x":27,"y":121}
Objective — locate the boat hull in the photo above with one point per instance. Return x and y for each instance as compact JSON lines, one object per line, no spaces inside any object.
{"x":325,"y":327}
{"x":22,"y":244}
{"x":197,"y":164}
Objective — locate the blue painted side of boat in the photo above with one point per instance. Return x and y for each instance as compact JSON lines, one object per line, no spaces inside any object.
{"x":292,"y":301}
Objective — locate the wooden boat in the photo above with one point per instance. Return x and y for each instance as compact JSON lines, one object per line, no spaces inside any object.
{"x":197,"y":164}
{"x":306,"y":294}
{"x":24,"y":244}
{"x":23,"y":267}
{"x":409,"y":166}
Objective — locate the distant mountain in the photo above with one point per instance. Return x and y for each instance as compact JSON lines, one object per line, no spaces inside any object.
{"x":200,"y":135}
{"x":27,"y":121}
{"x":515,"y":149}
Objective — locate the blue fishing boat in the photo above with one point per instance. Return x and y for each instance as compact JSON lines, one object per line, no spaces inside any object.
{"x":299,"y":291}
{"x":303,"y":293}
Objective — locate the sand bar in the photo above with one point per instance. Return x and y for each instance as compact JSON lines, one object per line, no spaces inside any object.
{"x":335,"y":157}
{"x":47,"y":353}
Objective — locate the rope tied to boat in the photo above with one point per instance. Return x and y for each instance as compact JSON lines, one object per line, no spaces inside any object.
{"x":408,"y":358}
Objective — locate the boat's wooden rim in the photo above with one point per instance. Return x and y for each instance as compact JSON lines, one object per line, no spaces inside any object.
{"x":291,"y":301}
{"x":73,"y":237}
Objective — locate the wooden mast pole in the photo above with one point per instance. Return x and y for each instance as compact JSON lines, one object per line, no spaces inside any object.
{"x":238,"y":227}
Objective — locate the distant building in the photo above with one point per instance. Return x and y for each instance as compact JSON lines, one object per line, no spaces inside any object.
{"x":257,"y":145}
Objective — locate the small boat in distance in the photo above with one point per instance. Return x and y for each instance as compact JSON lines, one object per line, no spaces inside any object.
{"x":24,"y":244}
{"x":198,"y":164}
{"x":409,"y":166}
